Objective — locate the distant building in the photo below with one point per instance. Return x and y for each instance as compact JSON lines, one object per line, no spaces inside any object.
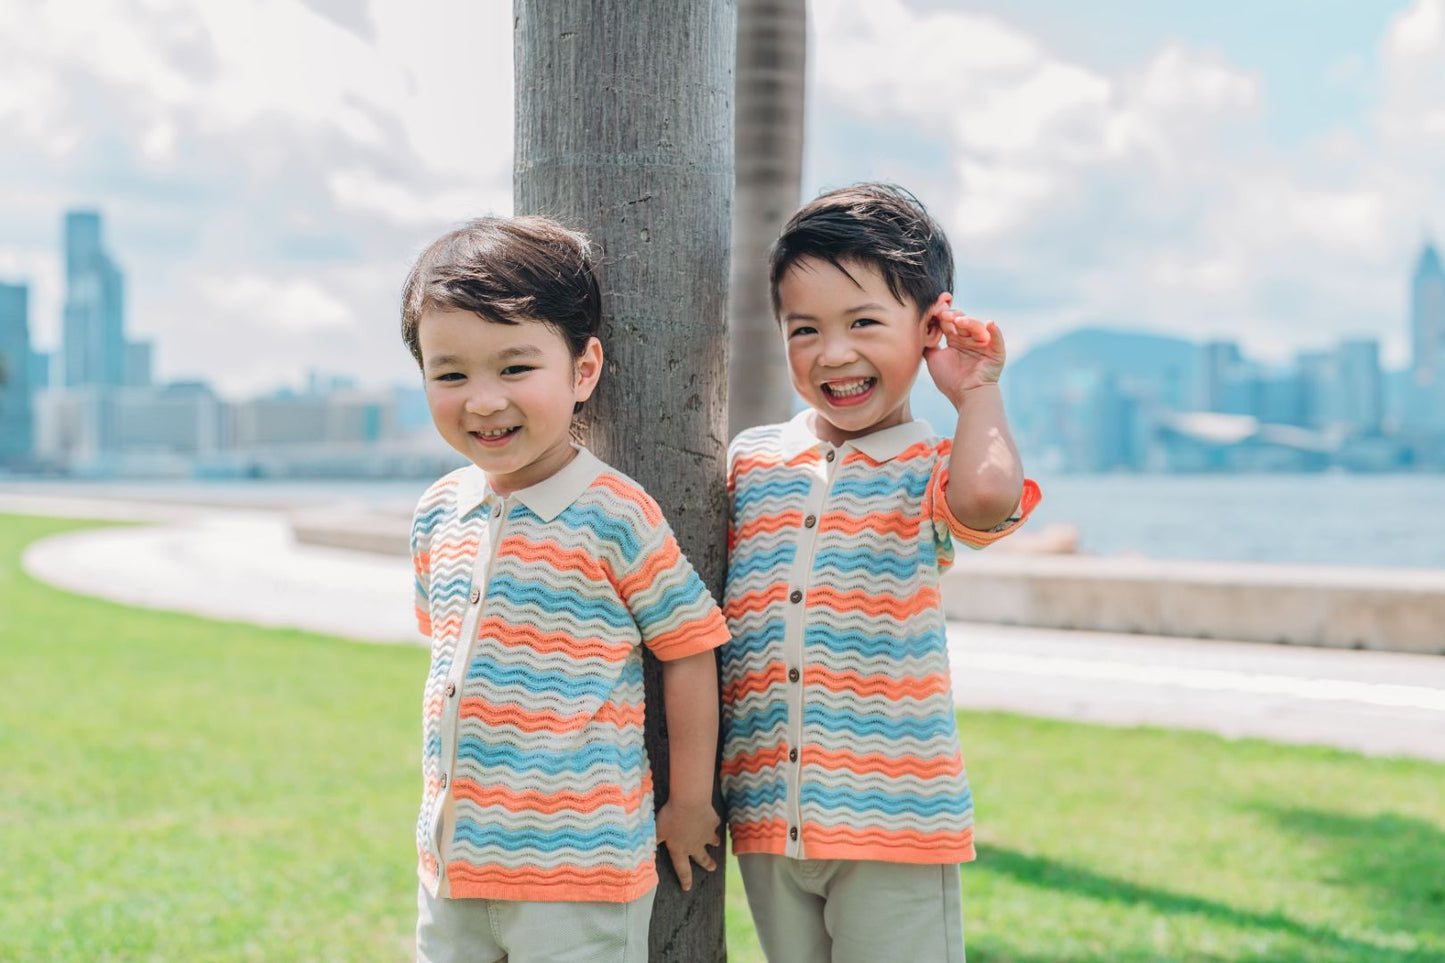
{"x":17,"y":419}
{"x":138,"y":356}
{"x":1360,"y":387}
{"x":40,"y":362}
{"x":1427,"y":318}
{"x":1220,"y":364}
{"x":93,"y":331}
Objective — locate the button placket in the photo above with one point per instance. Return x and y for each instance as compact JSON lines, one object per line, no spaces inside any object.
{"x":463,"y":656}
{"x":795,"y":625}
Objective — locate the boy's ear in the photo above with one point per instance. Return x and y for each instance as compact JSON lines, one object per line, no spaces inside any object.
{"x":587,"y":370}
{"x":933,"y":330}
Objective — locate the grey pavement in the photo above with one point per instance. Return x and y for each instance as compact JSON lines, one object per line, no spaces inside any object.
{"x":244,"y":564}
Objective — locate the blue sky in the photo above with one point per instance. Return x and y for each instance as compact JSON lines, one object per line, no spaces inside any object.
{"x":267,"y":168}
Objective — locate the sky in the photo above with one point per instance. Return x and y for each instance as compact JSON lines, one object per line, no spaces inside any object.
{"x":267,"y":169}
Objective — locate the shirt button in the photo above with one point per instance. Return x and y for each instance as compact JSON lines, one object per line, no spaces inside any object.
{"x":476,"y":596}
{"x":830,"y":456}
{"x":793,"y":832}
{"x":792,"y":755}
{"x":796,"y":597}
{"x":451,"y":689}
{"x":444,"y":780}
{"x":792,"y":675}
{"x":810,"y":521}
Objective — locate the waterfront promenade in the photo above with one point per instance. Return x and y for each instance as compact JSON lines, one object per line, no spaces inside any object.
{"x":245,"y":564}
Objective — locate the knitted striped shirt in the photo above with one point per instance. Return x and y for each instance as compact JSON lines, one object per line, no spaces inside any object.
{"x":536,"y":785}
{"x":839,"y":737}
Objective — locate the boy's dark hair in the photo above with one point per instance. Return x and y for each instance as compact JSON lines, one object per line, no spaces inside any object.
{"x":878,"y":224}
{"x":507,"y":269}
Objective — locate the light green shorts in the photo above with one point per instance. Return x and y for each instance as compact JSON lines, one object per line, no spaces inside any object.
{"x":854,"y":911}
{"x":521,"y":931}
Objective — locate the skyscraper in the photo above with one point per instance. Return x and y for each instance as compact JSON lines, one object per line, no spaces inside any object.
{"x":1427,"y":318}
{"x":17,"y":423}
{"x":94,"y":328}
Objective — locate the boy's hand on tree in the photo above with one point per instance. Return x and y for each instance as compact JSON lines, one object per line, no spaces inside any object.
{"x":971,"y":353}
{"x":687,"y":830}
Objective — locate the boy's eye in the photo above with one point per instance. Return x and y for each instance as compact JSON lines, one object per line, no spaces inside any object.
{"x":516,"y":369}
{"x":449,"y":376}
{"x":861,"y":322}
{"x":802,"y":329}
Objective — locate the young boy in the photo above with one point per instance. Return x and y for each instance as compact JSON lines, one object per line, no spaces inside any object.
{"x":540,"y":572}
{"x":847,"y":800}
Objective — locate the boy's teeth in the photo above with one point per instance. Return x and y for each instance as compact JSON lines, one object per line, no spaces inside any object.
{"x":494,"y":433}
{"x":845,"y":388}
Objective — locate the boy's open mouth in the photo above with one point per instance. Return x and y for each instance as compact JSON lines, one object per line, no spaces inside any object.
{"x":495,"y":436}
{"x":851,"y":390}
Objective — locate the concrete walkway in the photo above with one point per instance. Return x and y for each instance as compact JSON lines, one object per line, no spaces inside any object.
{"x":244,"y":565}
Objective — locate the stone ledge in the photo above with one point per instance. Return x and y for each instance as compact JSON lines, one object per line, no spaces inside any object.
{"x":1349,"y":608}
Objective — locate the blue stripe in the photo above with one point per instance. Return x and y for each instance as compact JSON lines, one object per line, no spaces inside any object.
{"x":552,"y":840}
{"x":751,"y":493}
{"x":857,"y":642}
{"x":609,"y":527}
{"x":893,"y":802}
{"x":863,"y":561}
{"x":551,"y":602}
{"x":772,"y":792}
{"x":874,"y":486}
{"x":536,"y":682}
{"x":744,"y":562}
{"x":753,"y":643}
{"x":682,"y":596}
{"x":629,"y":758}
{"x":749,"y":724}
{"x":837,"y":721}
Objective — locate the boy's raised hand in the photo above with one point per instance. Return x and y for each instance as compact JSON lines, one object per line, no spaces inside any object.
{"x":687,"y":830}
{"x":970,"y":354}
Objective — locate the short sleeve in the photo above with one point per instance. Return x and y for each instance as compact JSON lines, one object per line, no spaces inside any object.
{"x":947,"y":529}
{"x":421,"y":568}
{"x":675,"y":613}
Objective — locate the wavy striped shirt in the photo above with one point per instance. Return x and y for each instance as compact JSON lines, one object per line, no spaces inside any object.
{"x":839,"y":734}
{"x":536,"y":784}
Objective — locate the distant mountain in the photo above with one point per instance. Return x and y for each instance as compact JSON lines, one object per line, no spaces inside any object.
{"x":1124,"y":354}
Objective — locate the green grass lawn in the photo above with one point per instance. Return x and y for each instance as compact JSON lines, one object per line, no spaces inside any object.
{"x":179,"y":789}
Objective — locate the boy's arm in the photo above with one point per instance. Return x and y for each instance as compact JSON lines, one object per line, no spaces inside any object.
{"x":985,"y":474}
{"x":687,"y":823}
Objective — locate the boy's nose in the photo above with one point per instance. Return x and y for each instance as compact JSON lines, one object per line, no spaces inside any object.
{"x":836,"y":353}
{"x":485,"y":402}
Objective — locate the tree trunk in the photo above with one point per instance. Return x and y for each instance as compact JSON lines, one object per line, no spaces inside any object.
{"x":624,"y":129}
{"x":772,"y":52}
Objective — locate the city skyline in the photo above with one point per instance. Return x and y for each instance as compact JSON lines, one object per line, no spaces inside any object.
{"x":1140,"y":166}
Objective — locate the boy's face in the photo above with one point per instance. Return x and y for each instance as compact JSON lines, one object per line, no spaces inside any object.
{"x":853,"y":348}
{"x":502,"y":394}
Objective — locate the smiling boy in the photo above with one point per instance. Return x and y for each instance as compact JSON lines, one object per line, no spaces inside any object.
{"x":540,"y":573}
{"x":848,"y":804}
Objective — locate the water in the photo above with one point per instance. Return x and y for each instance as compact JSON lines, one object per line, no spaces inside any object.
{"x":1393,"y":521}
{"x":1331,"y":519}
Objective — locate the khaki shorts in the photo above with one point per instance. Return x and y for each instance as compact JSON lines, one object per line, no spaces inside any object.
{"x":522,"y":931}
{"x":854,"y":911}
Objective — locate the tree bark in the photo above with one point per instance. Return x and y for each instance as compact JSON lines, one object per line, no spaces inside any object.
{"x":771,"y":60}
{"x":624,"y":129}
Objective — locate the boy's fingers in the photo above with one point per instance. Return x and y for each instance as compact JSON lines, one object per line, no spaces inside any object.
{"x":683,"y":868}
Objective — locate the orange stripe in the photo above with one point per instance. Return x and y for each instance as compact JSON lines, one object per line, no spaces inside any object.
{"x":755,"y":761}
{"x":877,"y":762}
{"x":873,"y":603}
{"x":549,"y":720}
{"x":747,"y":463}
{"x":758,"y":829}
{"x":894,"y":687}
{"x":884,"y":523}
{"x":518,"y":636}
{"x":752,"y":682}
{"x":462,"y":873}
{"x":769,"y":523}
{"x":556,"y":556}
{"x":846,"y":835}
{"x":690,"y":638}
{"x":629,"y":492}
{"x":662,"y":560}
{"x":756,"y":601}
{"x":532,"y":800}
{"x":455,"y":550}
